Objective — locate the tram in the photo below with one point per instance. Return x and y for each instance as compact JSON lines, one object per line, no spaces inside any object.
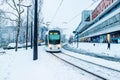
{"x":53,"y":41}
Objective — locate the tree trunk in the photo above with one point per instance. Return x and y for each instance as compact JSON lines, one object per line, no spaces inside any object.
{"x":16,"y":41}
{"x":18,"y":30}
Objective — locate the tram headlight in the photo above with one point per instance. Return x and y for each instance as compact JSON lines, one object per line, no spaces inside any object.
{"x":50,"y":46}
{"x":59,"y":46}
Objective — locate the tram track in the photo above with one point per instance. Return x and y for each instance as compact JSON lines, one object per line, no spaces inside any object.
{"x":78,"y":67}
{"x":103,"y":69}
{"x":91,"y":62}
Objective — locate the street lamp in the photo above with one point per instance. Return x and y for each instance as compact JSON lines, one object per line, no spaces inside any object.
{"x":27,"y":22}
{"x":75,"y":32}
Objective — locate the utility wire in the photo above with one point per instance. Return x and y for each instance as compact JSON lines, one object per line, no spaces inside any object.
{"x":57,"y":11}
{"x":94,"y":1}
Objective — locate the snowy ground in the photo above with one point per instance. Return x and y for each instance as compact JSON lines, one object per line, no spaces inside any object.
{"x":99,"y":48}
{"x":20,"y":66}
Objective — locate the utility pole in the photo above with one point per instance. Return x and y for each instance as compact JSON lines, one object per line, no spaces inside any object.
{"x":75,"y":32}
{"x":27,"y":22}
{"x":31,"y":35}
{"x":35,"y":50}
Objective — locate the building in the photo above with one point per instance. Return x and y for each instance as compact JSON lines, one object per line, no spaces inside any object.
{"x":101,"y":7}
{"x":105,"y":23}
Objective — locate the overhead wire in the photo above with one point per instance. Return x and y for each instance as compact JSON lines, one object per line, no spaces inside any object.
{"x":56,"y":11}
{"x":94,"y":1}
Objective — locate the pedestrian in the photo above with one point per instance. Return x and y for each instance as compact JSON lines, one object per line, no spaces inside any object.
{"x":94,"y":44}
{"x":108,"y":45}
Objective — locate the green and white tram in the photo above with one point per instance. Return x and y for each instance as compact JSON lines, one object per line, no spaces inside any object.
{"x":53,"y":41}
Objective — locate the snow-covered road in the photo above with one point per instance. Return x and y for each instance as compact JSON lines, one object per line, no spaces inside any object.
{"x":20,"y":66}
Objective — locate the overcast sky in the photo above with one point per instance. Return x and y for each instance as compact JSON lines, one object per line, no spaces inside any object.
{"x":65,"y":16}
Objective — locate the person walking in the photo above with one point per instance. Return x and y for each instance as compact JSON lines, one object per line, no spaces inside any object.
{"x":108,"y":45}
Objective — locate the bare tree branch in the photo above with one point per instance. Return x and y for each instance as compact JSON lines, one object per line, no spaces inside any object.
{"x":15,"y":5}
{"x":10,"y":5}
{"x":8,"y":18}
{"x":12,"y":14}
{"x":22,"y":11}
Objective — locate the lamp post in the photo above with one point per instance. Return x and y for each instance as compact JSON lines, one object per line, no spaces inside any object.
{"x":27,"y":22}
{"x":75,"y":32}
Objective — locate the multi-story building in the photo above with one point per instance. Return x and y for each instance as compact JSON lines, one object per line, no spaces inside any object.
{"x":105,"y":23}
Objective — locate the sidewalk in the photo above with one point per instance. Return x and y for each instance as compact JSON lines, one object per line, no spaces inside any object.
{"x":98,"y":50}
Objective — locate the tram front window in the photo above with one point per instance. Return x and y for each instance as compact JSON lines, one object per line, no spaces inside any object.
{"x":54,"y":38}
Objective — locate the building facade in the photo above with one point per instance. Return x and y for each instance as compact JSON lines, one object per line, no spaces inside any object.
{"x":105,"y":22}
